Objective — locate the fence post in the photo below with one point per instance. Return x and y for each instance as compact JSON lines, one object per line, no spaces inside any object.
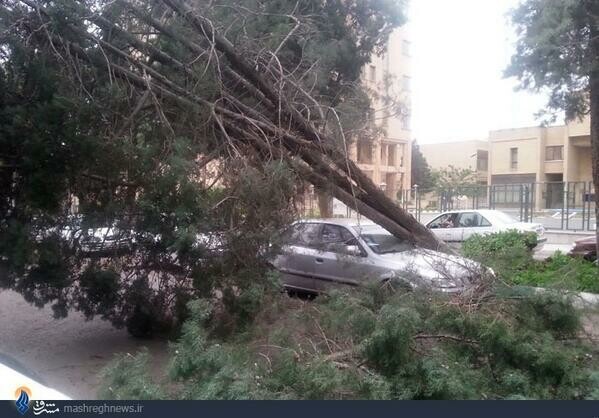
{"x":526,"y":202}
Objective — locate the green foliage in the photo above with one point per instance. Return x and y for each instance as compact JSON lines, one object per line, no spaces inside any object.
{"x":377,"y":343}
{"x":554,"y":51}
{"x":509,"y":255}
{"x":505,"y":252}
{"x":77,"y":139}
{"x":455,"y":181}
{"x":127,"y":378}
{"x":421,"y":172}
{"x":561,"y":271}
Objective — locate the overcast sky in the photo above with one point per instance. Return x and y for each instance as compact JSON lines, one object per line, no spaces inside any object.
{"x":459,"y":51}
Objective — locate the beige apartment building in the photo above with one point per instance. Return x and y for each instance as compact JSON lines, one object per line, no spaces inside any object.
{"x":470,"y":155}
{"x":551,"y":156}
{"x":387,"y":159}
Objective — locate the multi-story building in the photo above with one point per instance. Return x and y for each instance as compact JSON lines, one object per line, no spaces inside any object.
{"x":552,"y":157}
{"x":470,"y":155}
{"x":386,"y":159}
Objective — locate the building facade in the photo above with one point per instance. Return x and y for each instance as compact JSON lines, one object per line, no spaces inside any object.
{"x":469,"y":155}
{"x":387,"y":158}
{"x":553,"y":157}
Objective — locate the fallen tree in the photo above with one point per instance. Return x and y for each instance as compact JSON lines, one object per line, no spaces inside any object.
{"x":176,"y":127}
{"x":281,"y":120}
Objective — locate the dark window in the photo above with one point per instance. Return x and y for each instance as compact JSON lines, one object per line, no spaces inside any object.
{"x":303,"y":235}
{"x":364,"y":152}
{"x":514,"y":158}
{"x":372,"y":73}
{"x":482,"y":160}
{"x":336,"y":238}
{"x":444,"y":221}
{"x":554,"y":153}
{"x":335,"y":234}
{"x":405,"y":121}
{"x":472,"y":220}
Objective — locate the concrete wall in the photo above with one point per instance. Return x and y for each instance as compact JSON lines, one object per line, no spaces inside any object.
{"x":460,"y":154}
{"x":528,"y":155}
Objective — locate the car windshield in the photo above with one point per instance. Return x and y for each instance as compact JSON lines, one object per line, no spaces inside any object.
{"x":381,"y":241}
{"x":504,"y":218}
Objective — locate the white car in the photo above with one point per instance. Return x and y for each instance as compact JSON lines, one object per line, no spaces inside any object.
{"x":459,"y":225}
{"x":15,"y":379}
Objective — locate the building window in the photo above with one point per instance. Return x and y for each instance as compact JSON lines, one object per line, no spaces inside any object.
{"x":482,"y":160}
{"x":391,"y":150}
{"x":364,"y":152}
{"x":514,"y":158}
{"x":372,"y":73}
{"x":406,"y":85}
{"x":405,"y":48}
{"x":554,"y":153}
{"x":405,"y":122}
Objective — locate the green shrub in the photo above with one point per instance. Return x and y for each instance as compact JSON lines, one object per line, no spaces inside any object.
{"x":127,"y":377}
{"x":560,"y":271}
{"x":381,"y":344}
{"x":505,"y":252}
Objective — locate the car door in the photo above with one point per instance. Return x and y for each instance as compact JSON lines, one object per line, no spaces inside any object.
{"x":445,"y":227}
{"x":296,"y":259}
{"x":472,"y":223}
{"x":335,"y":266}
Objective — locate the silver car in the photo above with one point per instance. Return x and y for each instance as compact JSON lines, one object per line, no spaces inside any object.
{"x":319,"y":254}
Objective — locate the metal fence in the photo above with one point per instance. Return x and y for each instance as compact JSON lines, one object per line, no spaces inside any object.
{"x":557,"y":205}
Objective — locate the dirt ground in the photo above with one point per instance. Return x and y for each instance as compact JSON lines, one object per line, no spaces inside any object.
{"x":69,"y":353}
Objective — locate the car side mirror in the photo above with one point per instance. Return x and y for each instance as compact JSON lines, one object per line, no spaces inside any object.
{"x":353,"y":250}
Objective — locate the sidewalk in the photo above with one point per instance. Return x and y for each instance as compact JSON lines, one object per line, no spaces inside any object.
{"x":548,"y":250}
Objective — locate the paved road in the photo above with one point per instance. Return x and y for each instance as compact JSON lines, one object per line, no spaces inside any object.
{"x":68,"y":353}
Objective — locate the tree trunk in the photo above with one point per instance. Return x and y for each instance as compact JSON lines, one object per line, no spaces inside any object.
{"x":594,"y":115}
{"x":325,"y":204}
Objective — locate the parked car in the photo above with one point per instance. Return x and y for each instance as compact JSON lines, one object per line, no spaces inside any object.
{"x":459,"y":225}
{"x":15,"y":376}
{"x":99,"y":240}
{"x":319,"y":254}
{"x":585,"y":248}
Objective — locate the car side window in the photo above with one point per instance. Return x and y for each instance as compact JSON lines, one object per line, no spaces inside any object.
{"x":447,"y":220}
{"x":335,"y":238}
{"x":303,"y":235}
{"x":335,"y":234}
{"x":469,"y":220}
{"x":484,"y":221}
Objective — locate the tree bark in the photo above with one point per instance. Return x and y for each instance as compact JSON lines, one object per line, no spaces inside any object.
{"x":325,"y":204}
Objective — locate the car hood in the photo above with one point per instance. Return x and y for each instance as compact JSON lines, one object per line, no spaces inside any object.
{"x":434,"y":268}
{"x":526,"y":226}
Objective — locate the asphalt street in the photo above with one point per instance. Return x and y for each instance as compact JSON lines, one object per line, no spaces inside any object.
{"x":69,"y":353}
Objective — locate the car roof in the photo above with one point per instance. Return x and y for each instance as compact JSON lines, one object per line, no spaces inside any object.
{"x":354,"y":222}
{"x":481,"y":211}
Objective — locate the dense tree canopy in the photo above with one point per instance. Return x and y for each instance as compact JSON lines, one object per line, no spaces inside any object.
{"x":421,"y":172}
{"x":149,"y":118}
{"x":558,"y":51}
